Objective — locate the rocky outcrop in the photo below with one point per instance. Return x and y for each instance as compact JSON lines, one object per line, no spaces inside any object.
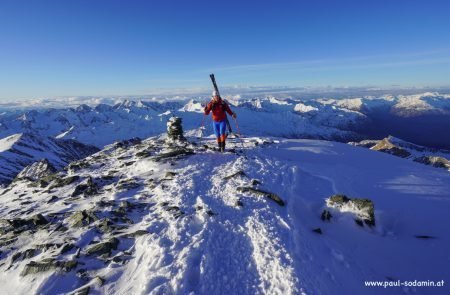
{"x":37,"y":170}
{"x":386,"y":146}
{"x":47,"y":265}
{"x":434,"y":161}
{"x":363,"y":209}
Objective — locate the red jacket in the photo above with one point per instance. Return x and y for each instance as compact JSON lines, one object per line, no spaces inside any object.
{"x":218,"y":110}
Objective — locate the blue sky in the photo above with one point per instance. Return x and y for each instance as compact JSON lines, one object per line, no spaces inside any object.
{"x":108,"y":47}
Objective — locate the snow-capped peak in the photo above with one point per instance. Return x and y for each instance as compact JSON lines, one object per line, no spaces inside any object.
{"x":192,"y":106}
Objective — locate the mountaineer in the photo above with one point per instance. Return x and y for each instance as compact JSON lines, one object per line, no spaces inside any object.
{"x":219,"y":109}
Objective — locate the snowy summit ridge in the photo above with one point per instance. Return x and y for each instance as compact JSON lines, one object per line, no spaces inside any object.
{"x":175,"y":217}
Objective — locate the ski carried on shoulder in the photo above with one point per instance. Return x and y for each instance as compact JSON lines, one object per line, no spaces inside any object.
{"x":213,"y":80}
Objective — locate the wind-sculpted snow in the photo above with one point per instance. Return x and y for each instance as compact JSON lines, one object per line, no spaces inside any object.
{"x":164,"y":217}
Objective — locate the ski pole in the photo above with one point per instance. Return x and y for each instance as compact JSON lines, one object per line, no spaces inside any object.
{"x":239,"y":132}
{"x":237,"y":127}
{"x":202,"y":125}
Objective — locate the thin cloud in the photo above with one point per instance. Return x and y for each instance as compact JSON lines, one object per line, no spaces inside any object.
{"x":342,"y":63}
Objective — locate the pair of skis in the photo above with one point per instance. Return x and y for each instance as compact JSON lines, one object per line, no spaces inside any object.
{"x":213,"y":80}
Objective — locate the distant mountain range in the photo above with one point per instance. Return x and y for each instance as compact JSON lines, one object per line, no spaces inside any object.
{"x":20,"y":150}
{"x":420,"y":118}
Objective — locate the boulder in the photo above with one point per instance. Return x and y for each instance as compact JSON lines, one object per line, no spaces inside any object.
{"x":86,"y":189}
{"x":83,"y":218}
{"x":48,"y":264}
{"x":103,"y":247}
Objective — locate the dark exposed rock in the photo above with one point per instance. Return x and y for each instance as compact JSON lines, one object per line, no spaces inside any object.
{"x":129,"y":163}
{"x":137,"y":233}
{"x":86,"y":189}
{"x":83,"y":218}
{"x":317,"y":230}
{"x":175,"y":210}
{"x":262,"y":193}
{"x":105,"y":225}
{"x":105,"y":203}
{"x":128,"y":142}
{"x":19,"y":225}
{"x":16,"y":256}
{"x":255,"y":182}
{"x":239,"y":203}
{"x":170,"y":175}
{"x":210,"y":213}
{"x":78,"y":165}
{"x":172,"y":154}
{"x":66,"y":248}
{"x":103,"y":248}
{"x":52,"y":199}
{"x":38,"y":220}
{"x":434,"y":161}
{"x":338,"y":200}
{"x":60,"y":182}
{"x":29,"y":253}
{"x":48,"y":246}
{"x":37,"y":267}
{"x":236,"y":174}
{"x":359,"y":222}
{"x":48,"y":264}
{"x":127,"y":184}
{"x":326,"y":215}
{"x":143,"y":154}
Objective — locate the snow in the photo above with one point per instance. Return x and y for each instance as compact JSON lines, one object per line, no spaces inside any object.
{"x":280,"y":115}
{"x":260,"y":248}
{"x":302,"y":108}
{"x":7,"y":142}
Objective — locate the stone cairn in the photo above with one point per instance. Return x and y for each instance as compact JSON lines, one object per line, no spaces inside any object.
{"x":174,"y":129}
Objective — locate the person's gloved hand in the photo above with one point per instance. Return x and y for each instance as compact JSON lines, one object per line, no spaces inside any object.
{"x":234,"y":115}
